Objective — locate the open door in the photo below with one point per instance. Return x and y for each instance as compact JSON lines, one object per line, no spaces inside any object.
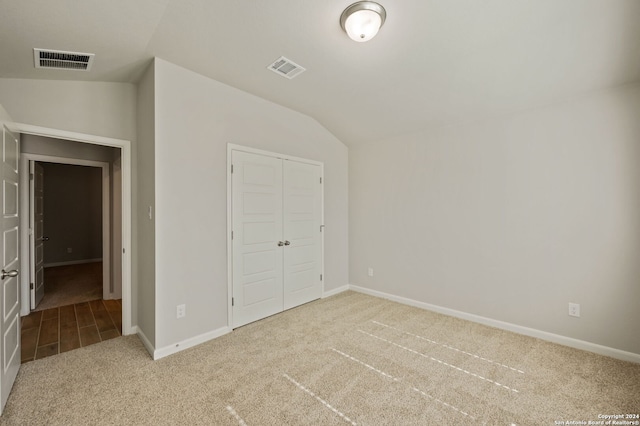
{"x":36,"y":237}
{"x":9,"y":295}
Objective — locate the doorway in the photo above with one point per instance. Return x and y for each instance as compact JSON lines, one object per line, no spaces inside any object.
{"x":121,"y":239}
{"x":72,"y":287}
{"x":70,"y":238}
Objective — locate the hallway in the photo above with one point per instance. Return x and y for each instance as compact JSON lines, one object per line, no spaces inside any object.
{"x":58,"y":330}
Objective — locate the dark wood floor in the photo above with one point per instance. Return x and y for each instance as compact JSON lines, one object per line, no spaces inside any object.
{"x":57,"y":330}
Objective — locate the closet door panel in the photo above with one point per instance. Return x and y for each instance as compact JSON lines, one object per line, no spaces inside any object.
{"x":302,"y":199}
{"x":257,"y":230}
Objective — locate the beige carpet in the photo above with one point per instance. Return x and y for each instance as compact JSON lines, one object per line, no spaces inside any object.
{"x":71,"y":284}
{"x":349,"y":359}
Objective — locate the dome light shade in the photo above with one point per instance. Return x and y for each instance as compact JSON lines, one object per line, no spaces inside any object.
{"x":362,"y":20}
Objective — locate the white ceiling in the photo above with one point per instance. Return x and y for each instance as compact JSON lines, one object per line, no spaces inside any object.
{"x":434,"y":61}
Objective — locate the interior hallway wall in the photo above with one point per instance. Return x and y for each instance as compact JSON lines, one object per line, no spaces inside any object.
{"x":145,"y":168}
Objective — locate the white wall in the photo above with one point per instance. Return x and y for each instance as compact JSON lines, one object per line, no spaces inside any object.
{"x":196,"y":118}
{"x":510,"y":219}
{"x":146,"y":248}
{"x":95,"y":108}
{"x":4,"y":116}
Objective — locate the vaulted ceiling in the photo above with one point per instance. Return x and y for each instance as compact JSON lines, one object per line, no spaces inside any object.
{"x":433,"y":62}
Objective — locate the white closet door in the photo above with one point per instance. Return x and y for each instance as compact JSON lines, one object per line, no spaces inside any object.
{"x":257,"y":227}
{"x":302,"y":220}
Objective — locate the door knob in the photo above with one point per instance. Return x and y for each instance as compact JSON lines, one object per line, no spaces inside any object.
{"x":280,"y":243}
{"x":45,"y":239}
{"x":9,"y":274}
{"x":287,"y":243}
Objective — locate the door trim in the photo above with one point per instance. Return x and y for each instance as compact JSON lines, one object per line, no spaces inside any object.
{"x":27,"y":197}
{"x":125,"y":147}
{"x":233,"y":147}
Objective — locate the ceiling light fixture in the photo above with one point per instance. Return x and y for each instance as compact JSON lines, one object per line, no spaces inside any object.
{"x":362,"y":20}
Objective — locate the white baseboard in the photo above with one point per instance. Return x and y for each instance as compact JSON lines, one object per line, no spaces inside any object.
{"x":543,"y":335}
{"x":147,"y":344}
{"x":71,"y":262}
{"x":188,"y":343}
{"x":335,"y":291}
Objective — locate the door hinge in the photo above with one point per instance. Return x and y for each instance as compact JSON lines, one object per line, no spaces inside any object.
{"x":31,"y":286}
{"x":232,"y":235}
{"x":320,"y":277}
{"x":232,"y":168}
{"x":30,"y":176}
{"x":232,"y":302}
{"x":320,"y":180}
{"x":123,"y":251}
{"x":321,"y":228}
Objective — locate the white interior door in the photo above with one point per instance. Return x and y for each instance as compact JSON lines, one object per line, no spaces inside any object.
{"x":9,"y":296}
{"x":257,"y":232}
{"x":302,"y":219}
{"x":36,"y":240}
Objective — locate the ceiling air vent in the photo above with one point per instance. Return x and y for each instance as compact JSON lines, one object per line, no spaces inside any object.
{"x":286,"y":68}
{"x":63,"y":60}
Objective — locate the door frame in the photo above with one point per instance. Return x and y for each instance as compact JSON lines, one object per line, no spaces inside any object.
{"x":125,"y":150}
{"x":26,"y":198}
{"x":233,"y":147}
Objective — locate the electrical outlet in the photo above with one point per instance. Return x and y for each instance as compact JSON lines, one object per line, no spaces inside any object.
{"x":574,"y":309}
{"x":69,"y":250}
{"x":181,"y":311}
{"x":370,"y":272}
